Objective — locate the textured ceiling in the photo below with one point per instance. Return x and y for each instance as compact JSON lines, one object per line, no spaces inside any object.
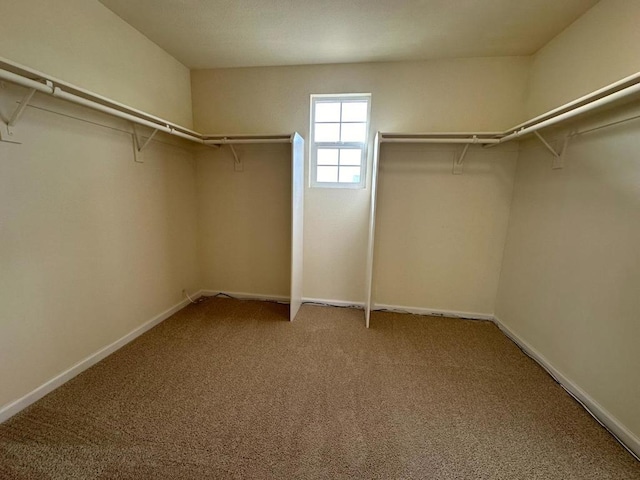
{"x":242,"y":33}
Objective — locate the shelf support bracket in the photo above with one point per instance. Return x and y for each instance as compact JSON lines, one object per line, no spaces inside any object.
{"x":558,"y":157}
{"x":7,"y":133}
{"x":237,"y":164}
{"x":558,"y":162}
{"x":458,"y":162}
{"x":139,"y":145}
{"x":20,"y":110}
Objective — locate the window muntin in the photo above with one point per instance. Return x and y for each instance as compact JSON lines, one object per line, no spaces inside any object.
{"x":339,"y":127}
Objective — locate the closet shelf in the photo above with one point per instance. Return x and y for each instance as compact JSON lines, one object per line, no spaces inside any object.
{"x":616,"y":92}
{"x":37,"y":81}
{"x":465,"y":138}
{"x":238,"y":139}
{"x":624,"y":90}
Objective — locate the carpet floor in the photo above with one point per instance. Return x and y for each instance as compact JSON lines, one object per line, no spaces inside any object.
{"x":230,"y":389}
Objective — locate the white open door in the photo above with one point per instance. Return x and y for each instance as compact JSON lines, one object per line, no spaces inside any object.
{"x":372,"y":228}
{"x":297,"y":218}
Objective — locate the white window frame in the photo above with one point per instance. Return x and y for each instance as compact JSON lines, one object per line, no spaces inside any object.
{"x":313,"y":145}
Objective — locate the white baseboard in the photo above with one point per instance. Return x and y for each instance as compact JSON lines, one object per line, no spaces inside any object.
{"x":247,"y":296}
{"x":433,"y":312}
{"x":400,"y":309}
{"x":630,"y":441}
{"x":9,"y":410}
{"x":333,"y":303}
{"x":606,"y":419}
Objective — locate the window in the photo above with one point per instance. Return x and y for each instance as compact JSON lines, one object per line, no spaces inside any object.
{"x":339,"y":127}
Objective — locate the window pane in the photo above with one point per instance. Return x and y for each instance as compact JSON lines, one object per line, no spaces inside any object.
{"x":349,"y":174}
{"x":354,"y":112}
{"x":327,"y":174}
{"x":327,"y":132}
{"x":353,"y":132}
{"x":327,"y":156}
{"x":327,"y":112}
{"x":350,"y":156}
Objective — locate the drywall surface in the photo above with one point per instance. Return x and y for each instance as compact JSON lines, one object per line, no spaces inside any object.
{"x":245,"y":219}
{"x":599,"y":48}
{"x":446,"y":95}
{"x":84,"y":43}
{"x":571,"y":271}
{"x":92,"y":244}
{"x":440,"y":237}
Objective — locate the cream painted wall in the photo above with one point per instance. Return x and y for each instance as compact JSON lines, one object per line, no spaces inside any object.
{"x":245,"y":219}
{"x":596,"y":50}
{"x":84,"y":43}
{"x":410,"y":96}
{"x":440,"y":237}
{"x":571,"y":271}
{"x":92,"y":244}
{"x":458,"y":94}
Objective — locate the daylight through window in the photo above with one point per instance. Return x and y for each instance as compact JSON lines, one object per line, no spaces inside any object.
{"x":339,"y":127}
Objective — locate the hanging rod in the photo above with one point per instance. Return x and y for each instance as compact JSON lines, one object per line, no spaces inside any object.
{"x":614,"y":92}
{"x":606,"y":125}
{"x":32,"y":79}
{"x":590,"y":97}
{"x":483,"y":138}
{"x":240,"y":139}
{"x":97,"y":124}
{"x":25,"y":82}
{"x":435,"y":139}
{"x":29,"y":78}
{"x":610,"y":98}
{"x":442,"y":134}
{"x":123,"y":112}
{"x":58,"y":93}
{"x":26,"y":73}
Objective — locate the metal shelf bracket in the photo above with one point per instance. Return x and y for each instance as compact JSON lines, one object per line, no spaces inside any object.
{"x":139,"y":145}
{"x":458,"y":162}
{"x":20,"y":109}
{"x":237,"y":164}
{"x":558,"y":157}
{"x":7,"y":133}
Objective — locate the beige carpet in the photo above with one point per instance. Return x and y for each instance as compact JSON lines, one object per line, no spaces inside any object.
{"x":230,"y":389}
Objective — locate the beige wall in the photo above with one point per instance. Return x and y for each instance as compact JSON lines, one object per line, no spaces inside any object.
{"x":410,"y":96}
{"x":440,"y":237}
{"x":92,"y":244}
{"x":84,"y":43}
{"x":571,"y":272}
{"x":245,"y":219}
{"x":446,"y":95}
{"x":596,"y":50}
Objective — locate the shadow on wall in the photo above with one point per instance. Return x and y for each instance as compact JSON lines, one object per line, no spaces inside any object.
{"x":245,"y":219}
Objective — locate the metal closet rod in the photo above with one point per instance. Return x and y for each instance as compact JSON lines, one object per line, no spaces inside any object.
{"x":614,"y":92}
{"x":607,"y":99}
{"x":589,"y":97}
{"x":240,"y":139}
{"x":59,"y":93}
{"x":603,"y":96}
{"x":77,"y":95}
{"x":479,"y":141}
{"x":21,"y":76}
